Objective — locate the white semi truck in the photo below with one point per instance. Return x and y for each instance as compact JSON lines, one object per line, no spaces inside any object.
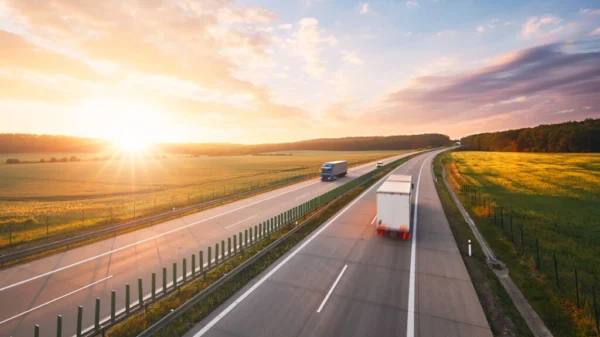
{"x":333,"y":170}
{"x":394,"y":206}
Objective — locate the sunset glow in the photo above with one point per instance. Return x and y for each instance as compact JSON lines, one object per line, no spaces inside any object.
{"x":272,"y":71}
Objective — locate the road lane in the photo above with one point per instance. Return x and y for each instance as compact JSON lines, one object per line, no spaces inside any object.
{"x":130,"y":256}
{"x":372,"y":296}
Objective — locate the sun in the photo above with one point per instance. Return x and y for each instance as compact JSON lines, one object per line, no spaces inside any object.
{"x":132,"y":125}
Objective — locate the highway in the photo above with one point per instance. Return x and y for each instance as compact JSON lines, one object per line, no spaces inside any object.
{"x":345,"y":280}
{"x":36,"y":292}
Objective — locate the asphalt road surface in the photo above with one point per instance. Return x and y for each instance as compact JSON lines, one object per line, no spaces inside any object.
{"x":35,"y":293}
{"x":345,"y":280}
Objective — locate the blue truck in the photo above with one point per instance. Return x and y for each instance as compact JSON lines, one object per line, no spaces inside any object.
{"x":333,"y":170}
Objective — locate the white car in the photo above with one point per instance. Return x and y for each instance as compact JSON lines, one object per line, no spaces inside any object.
{"x":379,"y":164}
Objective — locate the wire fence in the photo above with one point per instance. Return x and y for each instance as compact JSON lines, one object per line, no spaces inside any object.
{"x":548,"y":260}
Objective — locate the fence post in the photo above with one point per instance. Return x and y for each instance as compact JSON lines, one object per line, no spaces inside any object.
{"x":245,"y":238}
{"x":59,"y":326}
{"x":164,"y":280}
{"x":209,"y":257}
{"x":577,"y":288}
{"x":193,"y":265}
{"x":184,"y":270}
{"x":153,"y":286}
{"x":537,"y":251}
{"x":127,"y":299}
{"x":174,"y":275}
{"x":140,"y":293}
{"x":36,"y":331}
{"x":113,"y":304}
{"x":260,"y":230}
{"x":222,"y":251}
{"x":522,"y":242}
{"x":97,"y":316}
{"x":240,"y":240}
{"x":595,"y":309}
{"x":556,"y":270}
{"x":79,"y":319}
{"x":234,"y":244}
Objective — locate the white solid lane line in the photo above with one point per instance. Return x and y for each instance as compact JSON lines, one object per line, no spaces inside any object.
{"x":375,"y":217}
{"x":165,"y":233}
{"x":410,"y":324}
{"x":54,"y":300}
{"x":302,"y":196}
{"x":332,"y":287}
{"x":239,"y":222}
{"x":277,"y":267}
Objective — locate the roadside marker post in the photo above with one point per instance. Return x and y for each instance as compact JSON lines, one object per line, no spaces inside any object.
{"x":469,"y":247}
{"x":193,"y":265}
{"x":164,"y":280}
{"x":222,"y":251}
{"x":184,"y":270}
{"x":153,"y":286}
{"x":127,"y":299}
{"x":201,"y":258}
{"x":234,"y":244}
{"x":216,"y":254}
{"x":174,"y":275}
{"x":229,"y":247}
{"x":36,"y":331}
{"x":97,"y":316}
{"x":59,"y":326}
{"x":209,"y":257}
{"x":79,"y":319}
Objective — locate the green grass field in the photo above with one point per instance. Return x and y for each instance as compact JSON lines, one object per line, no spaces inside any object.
{"x":555,"y":199}
{"x":72,"y":196}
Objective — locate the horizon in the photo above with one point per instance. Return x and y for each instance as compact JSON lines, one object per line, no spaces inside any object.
{"x":266,"y":72}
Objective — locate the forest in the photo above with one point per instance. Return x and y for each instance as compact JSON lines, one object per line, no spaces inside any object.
{"x":583,"y":136}
{"x":29,"y":143}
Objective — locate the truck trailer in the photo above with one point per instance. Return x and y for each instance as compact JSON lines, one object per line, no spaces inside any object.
{"x":333,"y":170}
{"x":394,"y":206}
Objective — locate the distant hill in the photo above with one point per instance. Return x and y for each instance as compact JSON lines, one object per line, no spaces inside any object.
{"x":581,"y":136}
{"x":28,"y":143}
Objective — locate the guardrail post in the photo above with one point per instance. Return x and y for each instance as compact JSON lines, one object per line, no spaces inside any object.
{"x":229,"y":247}
{"x":153,"y":286}
{"x":174,"y":275}
{"x":201,"y":261}
{"x":184,"y":269}
{"x":209,"y":257}
{"x":250,"y":233}
{"x":245,"y":238}
{"x":193,"y":265}
{"x":164,"y":280}
{"x":260,"y":230}
{"x":59,"y":326}
{"x":113,"y":304}
{"x":140,"y":293}
{"x":222,"y":251}
{"x":240,"y":240}
{"x":127,"y":299}
{"x":97,"y":316}
{"x":216,"y":254}
{"x":234,"y":244}
{"x":36,"y":331}
{"x":79,"y":319}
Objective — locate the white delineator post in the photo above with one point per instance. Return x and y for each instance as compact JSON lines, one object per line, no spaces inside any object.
{"x":469,"y":247}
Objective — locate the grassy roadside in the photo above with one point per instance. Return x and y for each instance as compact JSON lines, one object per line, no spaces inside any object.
{"x":137,"y":323}
{"x":528,"y":198}
{"x":502,"y":315}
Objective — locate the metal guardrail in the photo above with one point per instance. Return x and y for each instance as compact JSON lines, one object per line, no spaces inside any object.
{"x":132,"y":223}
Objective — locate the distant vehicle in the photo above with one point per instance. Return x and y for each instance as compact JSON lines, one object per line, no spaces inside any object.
{"x":379,"y":164}
{"x":394,"y":206}
{"x":333,"y":170}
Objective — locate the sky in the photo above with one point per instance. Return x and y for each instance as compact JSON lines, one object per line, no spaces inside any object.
{"x":263,"y":71}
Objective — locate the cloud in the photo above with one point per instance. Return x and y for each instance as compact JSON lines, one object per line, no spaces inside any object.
{"x":446,"y":33}
{"x":522,"y":88}
{"x":480,"y":30}
{"x":411,"y":4}
{"x":246,"y":15}
{"x":508,"y":23}
{"x":365,"y":8}
{"x":286,"y":26}
{"x":537,"y":26}
{"x":351,"y":57}
{"x":590,"y":11}
{"x":595,"y":32}
{"x":307,"y":42}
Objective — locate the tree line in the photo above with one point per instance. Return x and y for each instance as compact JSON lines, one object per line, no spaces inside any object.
{"x":583,"y":136}
{"x":22,"y":143}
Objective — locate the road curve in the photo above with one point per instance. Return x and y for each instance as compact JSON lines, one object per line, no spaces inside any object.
{"x":56,"y":285}
{"x":344,"y":280}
